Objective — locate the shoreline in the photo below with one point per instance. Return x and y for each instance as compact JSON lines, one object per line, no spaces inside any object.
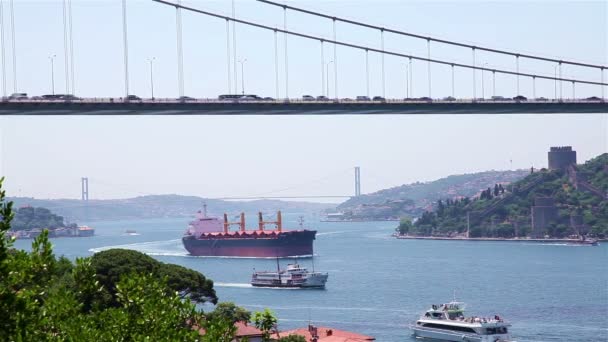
{"x":549,"y":240}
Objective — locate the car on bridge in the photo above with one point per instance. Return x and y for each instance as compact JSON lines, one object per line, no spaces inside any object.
{"x":425,"y":99}
{"x":18,"y":96}
{"x":449,"y":98}
{"x":249,"y":98}
{"x":185,"y":99}
{"x":541,"y":99}
{"x":379,"y":99}
{"x":132,"y":98}
{"x":520,"y":98}
{"x":307,"y":98}
{"x":69,"y":97}
{"x":322,"y":98}
{"x":594,"y":99}
{"x":51,"y":97}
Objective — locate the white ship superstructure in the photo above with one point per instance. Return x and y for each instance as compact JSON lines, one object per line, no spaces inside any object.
{"x":294,"y":276}
{"x":446,"y":322}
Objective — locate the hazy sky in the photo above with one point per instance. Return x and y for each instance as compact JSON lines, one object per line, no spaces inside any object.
{"x":237,"y":156}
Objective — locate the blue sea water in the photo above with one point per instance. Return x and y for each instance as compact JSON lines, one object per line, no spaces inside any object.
{"x":378,"y":285}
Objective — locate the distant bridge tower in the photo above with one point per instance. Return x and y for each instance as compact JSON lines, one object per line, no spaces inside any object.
{"x":357,"y":181}
{"x":84,"y":184}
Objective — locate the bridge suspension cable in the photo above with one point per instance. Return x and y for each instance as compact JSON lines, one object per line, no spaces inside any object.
{"x":361,"y":47}
{"x":444,"y":41}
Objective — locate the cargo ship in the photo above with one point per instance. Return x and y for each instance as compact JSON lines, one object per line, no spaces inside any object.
{"x":210,"y":236}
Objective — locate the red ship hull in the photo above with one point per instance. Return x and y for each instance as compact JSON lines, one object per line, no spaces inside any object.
{"x":252,"y":244}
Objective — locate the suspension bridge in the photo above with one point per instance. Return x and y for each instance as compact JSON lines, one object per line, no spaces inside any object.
{"x":564,"y":99}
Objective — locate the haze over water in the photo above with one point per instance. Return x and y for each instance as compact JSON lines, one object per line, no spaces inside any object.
{"x":378,"y":285}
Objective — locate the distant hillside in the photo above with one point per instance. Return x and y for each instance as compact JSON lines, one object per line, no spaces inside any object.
{"x":158,"y":206}
{"x":422,"y":196}
{"x":566,"y":202}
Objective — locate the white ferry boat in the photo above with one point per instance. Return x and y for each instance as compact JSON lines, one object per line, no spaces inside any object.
{"x":293,"y":277}
{"x":447,"y":322}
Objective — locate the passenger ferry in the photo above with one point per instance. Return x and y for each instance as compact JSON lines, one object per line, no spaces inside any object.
{"x":446,"y":322}
{"x":293,"y":277}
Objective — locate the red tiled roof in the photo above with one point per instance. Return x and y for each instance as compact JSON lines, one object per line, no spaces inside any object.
{"x":329,"y":335}
{"x":244,"y":329}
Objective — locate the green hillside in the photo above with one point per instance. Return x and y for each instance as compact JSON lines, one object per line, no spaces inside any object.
{"x":36,"y":218}
{"x":582,"y":207}
{"x":412,"y":200}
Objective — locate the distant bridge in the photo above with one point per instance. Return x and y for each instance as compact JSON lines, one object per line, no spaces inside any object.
{"x":297,"y":107}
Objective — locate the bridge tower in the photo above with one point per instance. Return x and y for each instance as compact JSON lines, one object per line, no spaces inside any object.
{"x":357,"y":181}
{"x":84,"y":185}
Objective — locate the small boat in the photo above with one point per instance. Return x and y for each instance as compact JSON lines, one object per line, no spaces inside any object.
{"x":584,"y":242}
{"x":293,"y":277}
{"x":131,"y":232}
{"x":446,"y":322}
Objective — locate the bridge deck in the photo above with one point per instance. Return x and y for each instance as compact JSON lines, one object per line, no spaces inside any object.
{"x":295,"y":108}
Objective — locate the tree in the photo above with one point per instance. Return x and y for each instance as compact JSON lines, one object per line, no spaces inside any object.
{"x":496,"y":190}
{"x":228,"y":311}
{"x":405,"y":225}
{"x":265,"y":321}
{"x":218,"y":330}
{"x":111,"y":265}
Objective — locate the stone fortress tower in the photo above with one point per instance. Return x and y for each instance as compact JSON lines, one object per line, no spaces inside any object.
{"x":561,"y":157}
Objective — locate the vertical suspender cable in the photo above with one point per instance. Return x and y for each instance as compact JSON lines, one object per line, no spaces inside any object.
{"x":65,"y":48}
{"x":71,"y":32}
{"x":483,"y":86}
{"x":14,"y":46}
{"x":428,"y":45}
{"x":411,"y":79}
{"x":453,"y":90}
{"x":383,"y":74}
{"x":517,"y":67}
{"x":125,"y":46}
{"x":533,"y":87}
{"x":180,"y":53}
{"x":367,"y":71}
{"x":3,"y":48}
{"x":276,"y":64}
{"x":322,"y":69}
{"x":286,"y":58}
{"x":474,"y":77}
{"x":407,"y":88}
{"x":561,"y":97}
{"x":555,"y":83}
{"x":228,"y":57}
{"x":335,"y":63}
{"x":493,"y":83}
{"x":573,"y":91}
{"x":234,"y":66}
{"x":601,"y":76}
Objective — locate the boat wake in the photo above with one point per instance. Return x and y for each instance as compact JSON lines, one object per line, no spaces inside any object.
{"x":163,"y":247}
{"x":249,"y":286}
{"x":239,"y":285}
{"x":334,"y":233}
{"x":328,"y":308}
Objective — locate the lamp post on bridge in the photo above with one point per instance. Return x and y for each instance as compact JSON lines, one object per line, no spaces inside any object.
{"x":151,"y":61}
{"x":242,"y":61}
{"x":52,"y":59}
{"x":327,"y":73}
